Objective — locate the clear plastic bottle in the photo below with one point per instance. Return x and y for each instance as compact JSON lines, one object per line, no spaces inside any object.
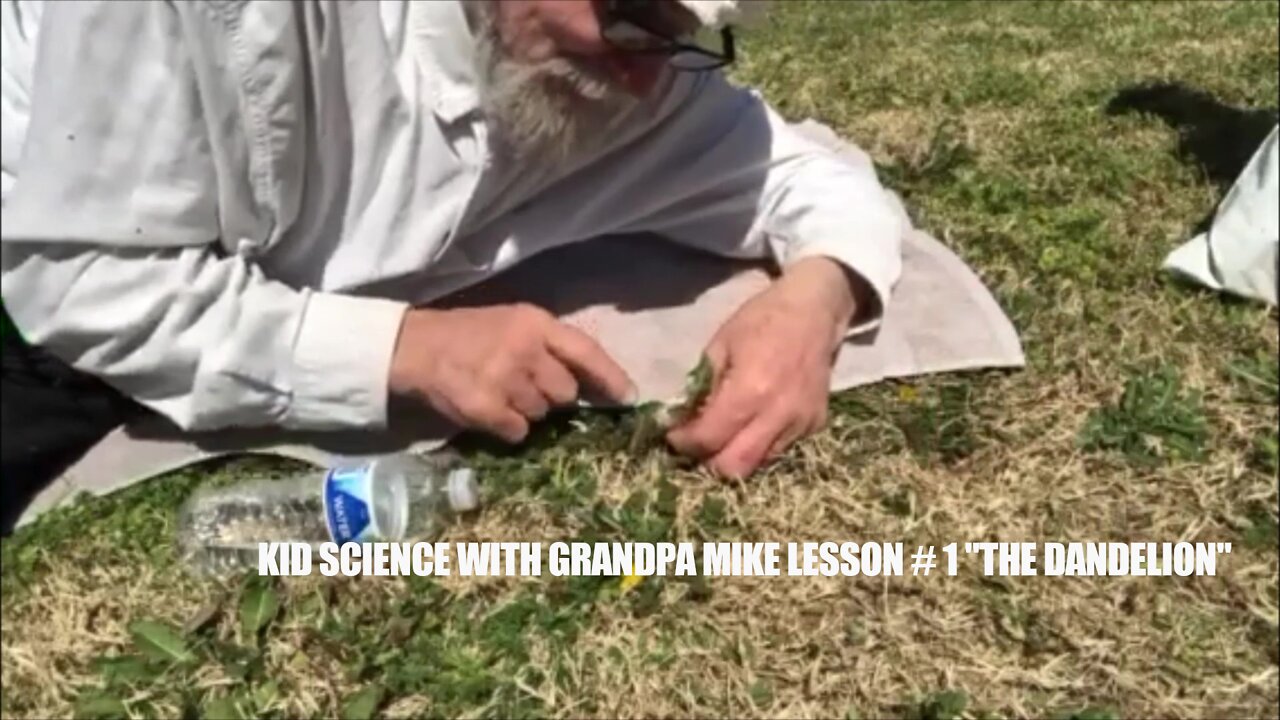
{"x":383,"y":498}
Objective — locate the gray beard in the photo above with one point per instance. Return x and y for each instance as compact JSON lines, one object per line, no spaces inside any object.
{"x":545,"y":111}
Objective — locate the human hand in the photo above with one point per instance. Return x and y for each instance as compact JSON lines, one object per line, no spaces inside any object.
{"x":772,"y":368}
{"x":496,"y":369}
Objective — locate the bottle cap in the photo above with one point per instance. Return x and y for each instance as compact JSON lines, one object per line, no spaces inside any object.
{"x":464,"y":494}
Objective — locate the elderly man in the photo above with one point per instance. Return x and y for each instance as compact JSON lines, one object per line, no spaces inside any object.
{"x":240,"y":213}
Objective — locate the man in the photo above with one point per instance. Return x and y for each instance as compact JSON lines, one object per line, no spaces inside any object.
{"x":239,"y":213}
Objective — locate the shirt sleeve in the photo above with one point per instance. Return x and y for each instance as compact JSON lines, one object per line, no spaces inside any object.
{"x":112,"y":255}
{"x":208,"y":342}
{"x":732,"y":177}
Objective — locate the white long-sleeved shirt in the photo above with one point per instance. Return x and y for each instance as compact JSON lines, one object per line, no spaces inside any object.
{"x":224,"y":209}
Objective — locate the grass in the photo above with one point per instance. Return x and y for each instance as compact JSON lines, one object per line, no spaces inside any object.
{"x":1154,"y":419}
{"x":1148,"y":412}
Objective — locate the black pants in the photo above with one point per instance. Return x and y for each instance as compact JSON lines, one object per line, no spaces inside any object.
{"x":50,"y":416}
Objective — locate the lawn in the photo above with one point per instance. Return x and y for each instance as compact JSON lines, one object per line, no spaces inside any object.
{"x":1148,"y":411}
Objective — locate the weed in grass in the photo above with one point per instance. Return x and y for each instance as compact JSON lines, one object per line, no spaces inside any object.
{"x":946,"y":156}
{"x":459,"y":660}
{"x":97,"y":705}
{"x":1155,"y":420}
{"x":936,"y":423}
{"x":363,"y":704}
{"x":1266,"y":452}
{"x":1257,"y":378}
{"x":259,"y":604}
{"x":1026,"y":628}
{"x":712,"y":518}
{"x":1091,"y":713}
{"x":941,"y":426}
{"x":167,"y":659}
{"x":899,"y":503}
{"x":571,"y":486}
{"x":761,"y":694}
{"x":161,"y":643}
{"x":1261,"y":532}
{"x":945,"y":705}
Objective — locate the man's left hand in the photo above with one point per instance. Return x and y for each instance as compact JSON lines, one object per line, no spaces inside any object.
{"x":772,"y":369}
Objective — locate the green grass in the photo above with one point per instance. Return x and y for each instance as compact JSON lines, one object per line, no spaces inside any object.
{"x":1155,"y":419}
{"x":1148,"y":411}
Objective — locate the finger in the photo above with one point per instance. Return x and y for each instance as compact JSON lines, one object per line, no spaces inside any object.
{"x":726,"y":413}
{"x":554,"y":381}
{"x":527,"y":399}
{"x":495,"y":417}
{"x":819,"y":422}
{"x":443,"y":405}
{"x":508,"y":425}
{"x":749,"y":448}
{"x":794,"y":432}
{"x":586,"y":358}
{"x":723,"y":414}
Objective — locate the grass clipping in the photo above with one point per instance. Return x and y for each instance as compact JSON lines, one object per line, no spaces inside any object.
{"x":656,"y":418}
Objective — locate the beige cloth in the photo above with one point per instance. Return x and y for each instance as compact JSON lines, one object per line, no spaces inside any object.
{"x":654,"y":306}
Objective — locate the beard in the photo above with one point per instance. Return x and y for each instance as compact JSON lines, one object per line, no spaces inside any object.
{"x":546,"y":110}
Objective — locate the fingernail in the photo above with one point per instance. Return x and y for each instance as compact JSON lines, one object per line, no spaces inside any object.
{"x":633,"y":395}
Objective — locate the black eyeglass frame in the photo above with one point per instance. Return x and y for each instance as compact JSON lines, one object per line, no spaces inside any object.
{"x":617,"y":14}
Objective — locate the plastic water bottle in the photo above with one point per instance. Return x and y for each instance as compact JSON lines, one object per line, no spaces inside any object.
{"x":383,"y":498}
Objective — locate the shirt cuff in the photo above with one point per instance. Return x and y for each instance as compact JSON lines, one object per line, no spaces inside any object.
{"x":879,"y":269}
{"x":341,"y":362}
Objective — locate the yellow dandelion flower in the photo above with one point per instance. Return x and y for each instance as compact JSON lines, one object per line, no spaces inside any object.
{"x":629,"y":583}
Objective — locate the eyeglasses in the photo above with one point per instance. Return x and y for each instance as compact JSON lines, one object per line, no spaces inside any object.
{"x":651,"y":27}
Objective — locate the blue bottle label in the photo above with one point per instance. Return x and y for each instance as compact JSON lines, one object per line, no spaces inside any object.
{"x":348,"y":505}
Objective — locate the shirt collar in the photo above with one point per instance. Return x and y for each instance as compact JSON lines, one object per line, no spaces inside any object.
{"x":446,"y":50}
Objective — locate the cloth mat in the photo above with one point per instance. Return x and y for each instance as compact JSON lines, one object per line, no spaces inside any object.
{"x":653,"y":306}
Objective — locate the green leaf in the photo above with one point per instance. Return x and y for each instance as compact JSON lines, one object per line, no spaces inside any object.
{"x":761,"y":694}
{"x":160,"y":642}
{"x":124,"y":669}
{"x":650,"y":407}
{"x":1266,"y":452}
{"x":240,"y":663}
{"x":699,"y":382}
{"x":1262,"y":531}
{"x":222,"y":707}
{"x":258,"y":606}
{"x":363,"y":704}
{"x":1155,"y":420}
{"x":648,"y":598}
{"x":99,"y":706}
{"x":266,"y":694}
{"x":647,"y":429}
{"x":946,"y":705}
{"x":668,"y":498}
{"x":653,"y":419}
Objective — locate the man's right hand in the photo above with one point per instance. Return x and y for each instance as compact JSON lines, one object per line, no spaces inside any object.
{"x":496,"y":369}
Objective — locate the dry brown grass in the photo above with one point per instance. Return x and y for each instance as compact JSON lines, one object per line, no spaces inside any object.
{"x":1017,"y":87}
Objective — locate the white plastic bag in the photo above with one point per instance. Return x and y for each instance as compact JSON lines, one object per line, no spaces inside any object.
{"x":1240,"y":253}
